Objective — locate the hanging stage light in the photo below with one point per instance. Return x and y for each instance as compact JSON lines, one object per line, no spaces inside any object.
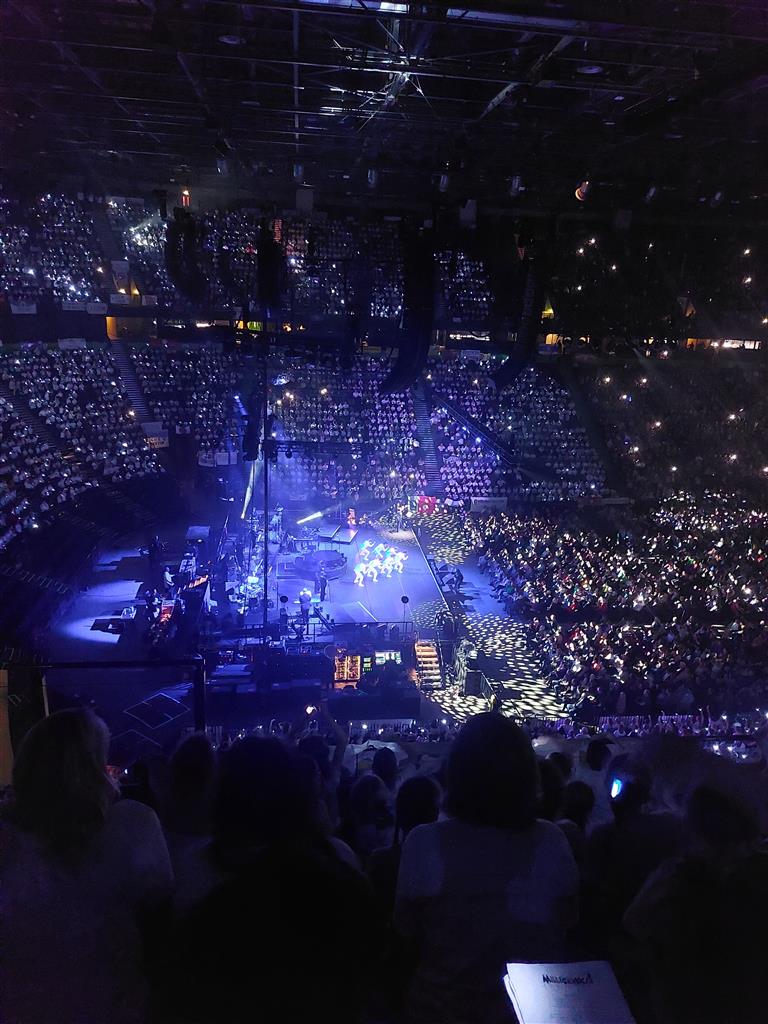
{"x":373,"y":177}
{"x":444,"y":182}
{"x":582,"y":191}
{"x":515,"y":186}
{"x":298,"y":172}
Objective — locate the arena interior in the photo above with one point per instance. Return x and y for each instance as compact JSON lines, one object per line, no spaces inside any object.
{"x":383,"y":511}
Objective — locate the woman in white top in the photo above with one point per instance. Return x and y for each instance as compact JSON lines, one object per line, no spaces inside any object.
{"x":489,"y":885}
{"x":80,"y":873}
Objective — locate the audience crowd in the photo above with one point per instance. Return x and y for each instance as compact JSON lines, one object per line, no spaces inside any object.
{"x":533,"y":417}
{"x":323,"y":403}
{"x":50,"y":248}
{"x":143,"y":239}
{"x":661,"y":616}
{"x":464,"y":287}
{"x":191,"y":391}
{"x":78,"y":395}
{"x":34,"y":477}
{"x":417,"y":877}
{"x":694,"y":420}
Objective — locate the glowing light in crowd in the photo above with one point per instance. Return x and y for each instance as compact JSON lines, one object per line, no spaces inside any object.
{"x":582,"y":191}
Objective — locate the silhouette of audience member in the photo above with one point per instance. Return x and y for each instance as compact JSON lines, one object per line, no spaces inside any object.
{"x":417,"y":803}
{"x":264,"y":935}
{"x":84,"y":878}
{"x":552,"y":786}
{"x":575,"y":810}
{"x":700,"y":918}
{"x":620,"y":856}
{"x":490,"y":884}
{"x":187,"y":804}
{"x":368,"y":819}
{"x":385,"y":766}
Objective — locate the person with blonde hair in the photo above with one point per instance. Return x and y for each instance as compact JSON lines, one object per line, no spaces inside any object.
{"x":83,"y":876}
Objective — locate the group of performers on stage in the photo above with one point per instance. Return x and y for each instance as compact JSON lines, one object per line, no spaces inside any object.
{"x":373,"y":561}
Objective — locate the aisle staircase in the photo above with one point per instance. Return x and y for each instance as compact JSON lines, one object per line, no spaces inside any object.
{"x":38,"y":426}
{"x":130,"y":381}
{"x":426,"y":441}
{"x":110,"y":246}
{"x":428,"y":665}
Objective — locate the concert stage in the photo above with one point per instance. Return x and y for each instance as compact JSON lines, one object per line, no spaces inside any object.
{"x":346,"y":601}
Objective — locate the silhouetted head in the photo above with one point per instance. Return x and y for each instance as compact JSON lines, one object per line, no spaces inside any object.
{"x":598,"y":753}
{"x":264,"y":796}
{"x":578,"y":802}
{"x":62,"y":791}
{"x":563,"y":762}
{"x":492,"y":774}
{"x":552,"y":788}
{"x":385,"y":766}
{"x":193,"y":765}
{"x":316,"y":748}
{"x":418,"y":803}
{"x":368,"y":800}
{"x":720,"y":819}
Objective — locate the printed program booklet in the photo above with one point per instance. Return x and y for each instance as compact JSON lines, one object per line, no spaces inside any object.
{"x":575,"y":993}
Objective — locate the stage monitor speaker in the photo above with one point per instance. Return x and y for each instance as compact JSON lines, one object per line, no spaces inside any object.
{"x":473,"y":684}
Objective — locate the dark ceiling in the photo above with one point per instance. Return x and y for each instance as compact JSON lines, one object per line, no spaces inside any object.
{"x":383,"y":98}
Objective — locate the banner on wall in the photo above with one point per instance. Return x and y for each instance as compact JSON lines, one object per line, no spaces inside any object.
{"x":72,"y":307}
{"x":226,"y":459}
{"x":206,"y":459}
{"x":149,"y":300}
{"x":488,"y":504}
{"x":157,"y":441}
{"x":97,"y":308}
{"x":69,"y":344}
{"x":117,"y":299}
{"x":24,"y":308}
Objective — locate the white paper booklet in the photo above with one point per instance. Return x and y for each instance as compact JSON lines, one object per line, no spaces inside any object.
{"x":575,"y":993}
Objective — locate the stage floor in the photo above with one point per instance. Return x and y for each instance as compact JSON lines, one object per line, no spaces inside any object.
{"x":347,"y":602}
